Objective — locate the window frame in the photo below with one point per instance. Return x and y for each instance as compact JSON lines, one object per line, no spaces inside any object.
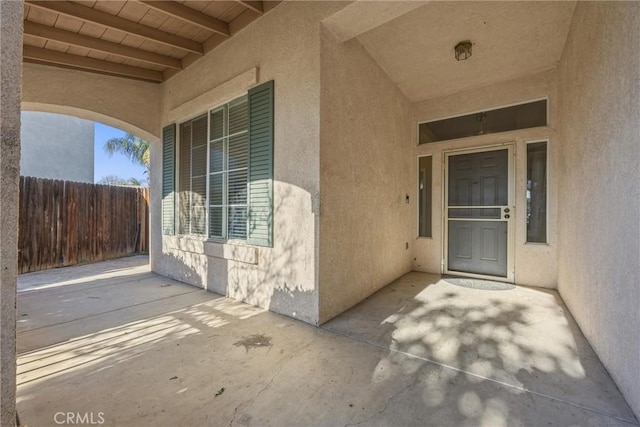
{"x":547,"y":192}
{"x":225,"y":172}
{"x":484,"y":110}
{"x":418,"y":236}
{"x":225,"y":138}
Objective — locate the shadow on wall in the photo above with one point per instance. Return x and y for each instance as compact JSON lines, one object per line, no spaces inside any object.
{"x":189,"y":265}
{"x":489,"y":347}
{"x":282,"y":280}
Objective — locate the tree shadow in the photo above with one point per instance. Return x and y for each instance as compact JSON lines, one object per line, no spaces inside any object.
{"x":486,"y":348}
{"x":279,"y":278}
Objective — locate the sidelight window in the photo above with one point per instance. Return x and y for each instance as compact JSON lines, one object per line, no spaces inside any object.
{"x":537,"y":192}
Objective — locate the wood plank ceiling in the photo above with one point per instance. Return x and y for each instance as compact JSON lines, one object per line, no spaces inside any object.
{"x":144,"y":40}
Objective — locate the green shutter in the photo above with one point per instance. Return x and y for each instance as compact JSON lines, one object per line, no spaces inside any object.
{"x":260,"y":196}
{"x":168,"y":179}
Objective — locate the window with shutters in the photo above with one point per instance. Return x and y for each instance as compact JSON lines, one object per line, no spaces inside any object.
{"x":225,"y":171}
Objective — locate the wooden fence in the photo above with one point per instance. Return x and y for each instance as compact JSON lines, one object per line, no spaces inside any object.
{"x":65,"y":223}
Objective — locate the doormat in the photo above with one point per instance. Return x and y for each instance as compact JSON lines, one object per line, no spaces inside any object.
{"x":486,"y":285}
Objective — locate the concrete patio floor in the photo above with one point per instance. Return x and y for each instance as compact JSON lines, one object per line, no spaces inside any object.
{"x":143,"y":350}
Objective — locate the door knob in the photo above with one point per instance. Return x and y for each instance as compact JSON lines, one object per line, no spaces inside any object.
{"x":506,"y":210}
{"x":506,"y":216}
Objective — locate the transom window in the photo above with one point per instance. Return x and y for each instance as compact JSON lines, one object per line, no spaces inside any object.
{"x":516,"y":117}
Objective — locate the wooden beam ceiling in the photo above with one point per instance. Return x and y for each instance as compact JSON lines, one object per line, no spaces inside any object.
{"x":189,"y":15}
{"x":75,"y":61}
{"x":49,"y":33}
{"x":256,"y":6}
{"x":88,"y":14}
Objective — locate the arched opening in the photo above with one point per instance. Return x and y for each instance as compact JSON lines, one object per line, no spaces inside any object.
{"x":91,"y":115}
{"x":72,"y":209}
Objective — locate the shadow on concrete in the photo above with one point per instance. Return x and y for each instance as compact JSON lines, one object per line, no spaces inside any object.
{"x":98,"y":272}
{"x":523,"y":340}
{"x":419,"y":352}
{"x":93,"y":298}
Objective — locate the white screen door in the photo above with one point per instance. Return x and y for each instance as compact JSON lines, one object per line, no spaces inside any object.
{"x":479,"y":213}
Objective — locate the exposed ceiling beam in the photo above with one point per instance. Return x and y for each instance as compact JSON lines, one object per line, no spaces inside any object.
{"x":189,"y":15}
{"x":53,"y":57}
{"x":359,"y":17}
{"x":89,"y":14}
{"x":256,"y":6}
{"x":56,"y":34}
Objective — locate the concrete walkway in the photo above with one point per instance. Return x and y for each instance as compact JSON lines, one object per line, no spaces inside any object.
{"x":142,"y":350}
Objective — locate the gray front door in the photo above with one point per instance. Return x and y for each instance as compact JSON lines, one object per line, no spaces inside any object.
{"x":478,"y":212}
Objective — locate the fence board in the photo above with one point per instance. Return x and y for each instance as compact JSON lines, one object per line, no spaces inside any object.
{"x":65,"y":223}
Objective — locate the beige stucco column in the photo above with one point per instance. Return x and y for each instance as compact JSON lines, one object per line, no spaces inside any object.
{"x":10,"y":76}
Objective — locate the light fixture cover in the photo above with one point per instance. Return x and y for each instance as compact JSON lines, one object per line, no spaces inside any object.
{"x":463,"y":50}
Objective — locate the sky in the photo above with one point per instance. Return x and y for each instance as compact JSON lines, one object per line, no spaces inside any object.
{"x":117,"y":164}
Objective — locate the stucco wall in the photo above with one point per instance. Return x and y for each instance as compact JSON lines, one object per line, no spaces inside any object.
{"x":56,"y":146}
{"x":11,"y":16}
{"x":284,"y":46}
{"x":126,"y":104}
{"x":366,"y":165}
{"x":534,"y":264}
{"x":599,"y":218}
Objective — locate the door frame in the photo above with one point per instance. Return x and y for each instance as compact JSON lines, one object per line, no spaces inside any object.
{"x":511,"y":222}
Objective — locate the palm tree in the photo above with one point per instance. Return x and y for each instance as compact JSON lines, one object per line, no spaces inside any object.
{"x":136,"y":149}
{"x":116,"y":180}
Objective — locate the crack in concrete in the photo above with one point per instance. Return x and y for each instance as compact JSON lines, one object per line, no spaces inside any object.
{"x":350,"y":375}
{"x":386,"y":405}
{"x":235,"y":411}
{"x":273,"y":377}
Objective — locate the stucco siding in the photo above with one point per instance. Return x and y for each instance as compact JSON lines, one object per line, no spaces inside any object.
{"x":56,"y":146}
{"x":366,"y":224}
{"x":284,"y":46}
{"x":126,"y":104}
{"x":599,"y":222}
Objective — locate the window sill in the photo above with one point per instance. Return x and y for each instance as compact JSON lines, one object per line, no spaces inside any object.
{"x":232,"y":250}
{"x":537,"y":244}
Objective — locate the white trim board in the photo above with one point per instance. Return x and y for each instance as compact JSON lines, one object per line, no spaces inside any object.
{"x":220,"y":94}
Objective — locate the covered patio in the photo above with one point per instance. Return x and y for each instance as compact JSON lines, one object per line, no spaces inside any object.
{"x":139,"y":349}
{"x":298,"y":168}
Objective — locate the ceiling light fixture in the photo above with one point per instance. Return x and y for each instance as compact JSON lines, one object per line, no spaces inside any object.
{"x":463,"y":50}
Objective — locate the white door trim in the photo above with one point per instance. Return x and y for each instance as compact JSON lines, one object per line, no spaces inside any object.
{"x":511,"y":222}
